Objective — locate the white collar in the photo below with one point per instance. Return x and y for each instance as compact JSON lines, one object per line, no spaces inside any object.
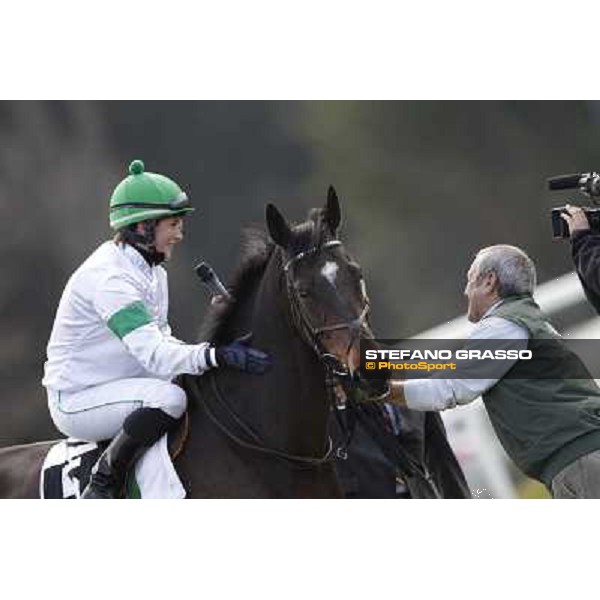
{"x":492,"y":307}
{"x":136,"y":258}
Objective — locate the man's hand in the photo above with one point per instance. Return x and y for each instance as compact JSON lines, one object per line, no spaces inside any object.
{"x":575,"y":219}
{"x":373,"y":390}
{"x":240,"y":355}
{"x":397,"y":396}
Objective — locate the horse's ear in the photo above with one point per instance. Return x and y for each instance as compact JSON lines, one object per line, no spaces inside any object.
{"x":333,"y":214}
{"x":279,"y":230}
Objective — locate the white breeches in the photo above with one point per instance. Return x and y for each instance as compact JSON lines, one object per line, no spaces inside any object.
{"x":97,"y":413}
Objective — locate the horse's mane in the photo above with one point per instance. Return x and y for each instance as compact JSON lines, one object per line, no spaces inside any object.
{"x":256,"y":250}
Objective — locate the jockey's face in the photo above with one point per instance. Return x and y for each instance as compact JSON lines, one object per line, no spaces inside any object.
{"x":168,"y":232}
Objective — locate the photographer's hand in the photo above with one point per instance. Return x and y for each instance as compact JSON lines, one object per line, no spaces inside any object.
{"x":575,"y":219}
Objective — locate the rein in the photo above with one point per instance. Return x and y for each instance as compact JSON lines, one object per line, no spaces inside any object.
{"x":257,"y":444}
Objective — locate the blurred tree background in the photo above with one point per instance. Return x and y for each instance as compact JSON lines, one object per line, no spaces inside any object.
{"x":423,"y":186}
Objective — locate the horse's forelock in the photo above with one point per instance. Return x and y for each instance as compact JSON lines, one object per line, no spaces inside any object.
{"x":313,"y":233}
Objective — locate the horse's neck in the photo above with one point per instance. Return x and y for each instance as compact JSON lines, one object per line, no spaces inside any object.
{"x":288,"y":403}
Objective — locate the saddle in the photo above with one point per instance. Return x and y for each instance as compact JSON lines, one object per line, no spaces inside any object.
{"x":68,"y":464}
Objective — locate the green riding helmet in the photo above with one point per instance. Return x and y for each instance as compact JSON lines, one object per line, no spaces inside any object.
{"x":143,"y":196}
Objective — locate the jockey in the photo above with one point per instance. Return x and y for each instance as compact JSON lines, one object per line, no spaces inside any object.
{"x":111,"y":354}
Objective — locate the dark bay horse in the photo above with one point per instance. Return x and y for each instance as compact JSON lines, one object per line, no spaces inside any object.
{"x":304,"y":301}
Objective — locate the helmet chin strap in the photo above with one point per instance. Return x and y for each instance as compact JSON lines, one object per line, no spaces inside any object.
{"x":144,"y":242}
{"x":151,"y":256}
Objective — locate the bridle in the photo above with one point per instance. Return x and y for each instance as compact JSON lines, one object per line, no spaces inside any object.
{"x":335,"y":371}
{"x":301,"y":319}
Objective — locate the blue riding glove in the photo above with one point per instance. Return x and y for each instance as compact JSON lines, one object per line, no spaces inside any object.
{"x":241,"y":356}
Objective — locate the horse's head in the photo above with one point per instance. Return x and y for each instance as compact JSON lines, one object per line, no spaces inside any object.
{"x":325,"y":287}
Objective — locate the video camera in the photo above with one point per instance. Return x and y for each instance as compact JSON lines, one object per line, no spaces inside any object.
{"x":589,"y":184}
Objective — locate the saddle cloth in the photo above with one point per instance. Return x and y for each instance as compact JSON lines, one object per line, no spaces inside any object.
{"x":67,"y":466}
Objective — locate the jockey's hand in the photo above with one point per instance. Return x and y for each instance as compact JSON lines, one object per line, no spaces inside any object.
{"x":240,"y":355}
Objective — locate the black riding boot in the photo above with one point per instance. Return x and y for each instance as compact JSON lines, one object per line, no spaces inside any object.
{"x":141,"y":429}
{"x":108,"y":475}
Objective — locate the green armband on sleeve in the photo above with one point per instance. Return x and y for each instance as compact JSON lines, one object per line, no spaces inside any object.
{"x":128,"y":319}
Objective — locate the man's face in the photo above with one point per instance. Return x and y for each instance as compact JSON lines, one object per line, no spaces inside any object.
{"x":168,"y":232}
{"x":480,"y":291}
